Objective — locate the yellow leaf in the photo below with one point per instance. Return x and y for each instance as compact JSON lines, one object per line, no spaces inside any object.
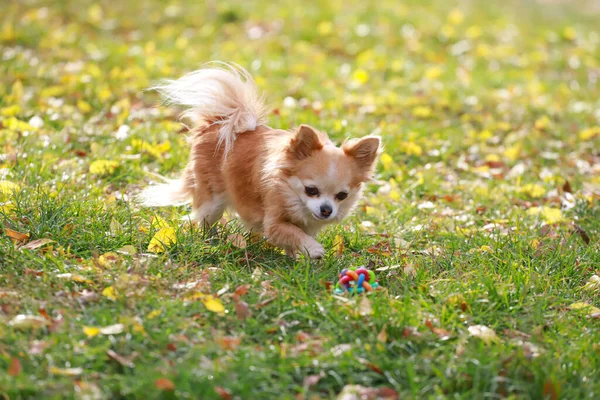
{"x":65,"y":371}
{"x":589,"y":133}
{"x":7,"y":188}
{"x":110,"y":293}
{"x":214,"y":304}
{"x":360,"y":76}
{"x":422,"y":112}
{"x":164,"y":238}
{"x":338,"y":245}
{"x":10,"y":111}
{"x":91,"y":331}
{"x":433,"y":73}
{"x":153,"y":314}
{"x":533,"y":190}
{"x":569,"y":33}
{"x":325,"y":28}
{"x":386,"y":161}
{"x":456,"y":17}
{"x":590,"y":309}
{"x":542,"y":123}
{"x":550,"y":215}
{"x":103,"y":167}
{"x":84,"y":106}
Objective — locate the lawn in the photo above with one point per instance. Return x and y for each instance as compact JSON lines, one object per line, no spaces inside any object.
{"x":482,"y":223}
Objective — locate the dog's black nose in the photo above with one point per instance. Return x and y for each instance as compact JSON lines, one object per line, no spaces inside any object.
{"x":326,"y":210}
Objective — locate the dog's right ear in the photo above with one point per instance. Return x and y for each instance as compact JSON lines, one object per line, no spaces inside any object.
{"x":305,"y":143}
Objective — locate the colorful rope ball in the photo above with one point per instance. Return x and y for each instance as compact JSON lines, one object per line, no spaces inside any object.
{"x":357,"y":280}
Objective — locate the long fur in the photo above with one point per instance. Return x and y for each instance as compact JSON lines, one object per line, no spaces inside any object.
{"x":226,"y":96}
{"x":221,"y":94}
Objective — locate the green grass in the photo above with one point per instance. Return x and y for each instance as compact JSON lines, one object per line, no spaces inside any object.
{"x":486,"y":110}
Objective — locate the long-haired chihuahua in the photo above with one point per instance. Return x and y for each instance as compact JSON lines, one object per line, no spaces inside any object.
{"x":286,"y":184}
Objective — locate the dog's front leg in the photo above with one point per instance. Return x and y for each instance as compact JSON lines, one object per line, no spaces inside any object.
{"x":293,"y":239}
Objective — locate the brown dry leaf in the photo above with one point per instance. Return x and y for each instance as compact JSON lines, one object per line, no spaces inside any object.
{"x":14,"y":369}
{"x":229,"y":342}
{"x":567,"y":187}
{"x":242,"y":290}
{"x":551,"y":390}
{"x":582,"y":233}
{"x":225,"y":394}
{"x":242,"y":311}
{"x":124,"y":361}
{"x":237,"y":240}
{"x":36,"y":244}
{"x":16,"y":236}
{"x":443,"y":334}
{"x":164,"y":384}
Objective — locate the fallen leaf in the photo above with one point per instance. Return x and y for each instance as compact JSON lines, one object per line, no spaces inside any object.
{"x":242,"y":311}
{"x":225,"y":394}
{"x":109,"y":292}
{"x":229,"y":342}
{"x":484,"y":333}
{"x":103,"y":167}
{"x":582,"y":233}
{"x":358,"y":392}
{"x":65,"y":371}
{"x":112,"y":329}
{"x":36,"y":244}
{"x":164,"y":384}
{"x":237,"y":240}
{"x":127,"y":250}
{"x":338,"y":246}
{"x":213,"y":304}
{"x":364,"y":307}
{"x":382,"y":336}
{"x":14,"y":369}
{"x":593,"y":284}
{"x":124,"y":361}
{"x":550,"y":390}
{"x":153,"y":314}
{"x":162,"y":239}
{"x":91,"y":331}
{"x":312,"y":380}
{"x":242,"y":290}
{"x":582,"y":306}
{"x":443,"y":334}
{"x":16,"y":236}
{"x":28,"y":322}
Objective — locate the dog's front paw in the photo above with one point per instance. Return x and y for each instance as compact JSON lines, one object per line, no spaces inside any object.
{"x":313,"y":249}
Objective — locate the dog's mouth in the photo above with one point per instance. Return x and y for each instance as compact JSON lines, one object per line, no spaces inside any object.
{"x":319,"y":217}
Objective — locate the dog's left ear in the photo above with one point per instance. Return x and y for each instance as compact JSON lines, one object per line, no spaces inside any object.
{"x":364,"y":150}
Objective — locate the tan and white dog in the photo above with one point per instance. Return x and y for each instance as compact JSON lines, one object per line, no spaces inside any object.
{"x":285,"y":184}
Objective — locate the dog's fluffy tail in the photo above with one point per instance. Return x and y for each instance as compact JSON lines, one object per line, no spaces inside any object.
{"x":223,"y":94}
{"x":172,"y":192}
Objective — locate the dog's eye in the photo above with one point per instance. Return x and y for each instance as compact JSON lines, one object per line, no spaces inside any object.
{"x":341,"y":195}
{"x":311,"y":191}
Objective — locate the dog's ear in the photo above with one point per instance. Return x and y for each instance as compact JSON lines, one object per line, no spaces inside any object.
{"x":305,"y":143}
{"x":364,"y":150}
